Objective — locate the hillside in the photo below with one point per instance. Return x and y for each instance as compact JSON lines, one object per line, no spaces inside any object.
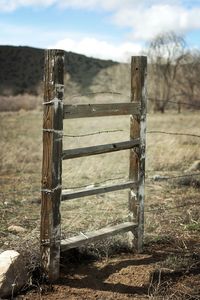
{"x":21,"y":71}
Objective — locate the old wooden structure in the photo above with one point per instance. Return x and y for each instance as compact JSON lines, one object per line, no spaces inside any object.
{"x":53,"y":154}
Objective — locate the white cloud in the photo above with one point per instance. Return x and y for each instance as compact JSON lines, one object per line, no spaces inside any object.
{"x":11,"y":5}
{"x":36,"y":36}
{"x":98,"y":4}
{"x":109,"y":5}
{"x":147,"y":22}
{"x":143,"y":18}
{"x":99,"y":48}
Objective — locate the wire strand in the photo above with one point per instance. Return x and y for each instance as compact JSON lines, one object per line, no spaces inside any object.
{"x":175,"y":102}
{"x":92,"y":133}
{"x":174,"y":133}
{"x":173,"y":207}
{"x":174,"y":177}
{"x":98,"y":93}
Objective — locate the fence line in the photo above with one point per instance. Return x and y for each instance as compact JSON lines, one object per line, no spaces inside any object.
{"x":98,"y":93}
{"x":174,"y":133}
{"x":173,"y":207}
{"x":159,"y":208}
{"x":92,"y":133}
{"x":175,"y":177}
{"x":122,"y":130}
{"x":175,"y":102}
{"x":197,"y":105}
{"x":162,"y":178}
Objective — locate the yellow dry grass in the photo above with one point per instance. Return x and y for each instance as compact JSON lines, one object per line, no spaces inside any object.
{"x":20,"y":161}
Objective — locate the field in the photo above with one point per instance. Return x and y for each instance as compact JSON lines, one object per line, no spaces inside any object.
{"x":172,"y":216}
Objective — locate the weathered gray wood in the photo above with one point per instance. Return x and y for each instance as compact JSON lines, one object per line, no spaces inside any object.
{"x":100,"y":110}
{"x":68,"y":195}
{"x":94,"y":150}
{"x":52,"y":163}
{"x":95,"y":235}
{"x":137,"y":156}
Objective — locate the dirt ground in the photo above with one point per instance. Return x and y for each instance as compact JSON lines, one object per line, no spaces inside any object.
{"x":150,"y":275}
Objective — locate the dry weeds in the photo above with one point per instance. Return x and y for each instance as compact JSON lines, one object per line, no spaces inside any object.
{"x":171,"y":209}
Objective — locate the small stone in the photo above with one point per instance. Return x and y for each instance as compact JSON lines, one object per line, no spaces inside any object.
{"x":16,"y":229}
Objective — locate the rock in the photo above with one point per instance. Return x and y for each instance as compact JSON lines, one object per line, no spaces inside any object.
{"x":16,"y":229}
{"x":13,"y":273}
{"x":195,"y":166}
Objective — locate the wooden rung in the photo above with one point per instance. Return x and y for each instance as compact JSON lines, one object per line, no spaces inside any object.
{"x":94,"y":150}
{"x":100,"y":110}
{"x":84,"y":238}
{"x":88,"y":191}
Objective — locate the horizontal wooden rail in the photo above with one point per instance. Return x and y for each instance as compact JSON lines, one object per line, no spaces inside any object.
{"x":84,"y":238}
{"x":100,"y":110}
{"x":88,"y":191}
{"x":94,"y":150}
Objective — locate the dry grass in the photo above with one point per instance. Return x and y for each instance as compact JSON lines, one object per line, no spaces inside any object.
{"x":19,"y":102}
{"x":172,"y":214}
{"x":21,"y":149}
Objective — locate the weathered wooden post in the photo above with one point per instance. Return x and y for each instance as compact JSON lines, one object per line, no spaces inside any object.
{"x":137,"y":154}
{"x":52,"y":163}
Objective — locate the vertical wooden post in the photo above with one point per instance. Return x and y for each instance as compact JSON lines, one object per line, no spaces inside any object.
{"x":52,"y":163}
{"x":137,"y":155}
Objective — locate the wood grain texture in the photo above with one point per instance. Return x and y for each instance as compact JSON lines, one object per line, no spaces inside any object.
{"x":89,"y":191}
{"x":52,"y":163}
{"x":94,"y":150}
{"x":137,"y":155}
{"x":95,"y":235}
{"x":100,"y":110}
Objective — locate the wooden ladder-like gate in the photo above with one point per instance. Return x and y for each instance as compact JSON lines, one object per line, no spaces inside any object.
{"x":53,"y":154}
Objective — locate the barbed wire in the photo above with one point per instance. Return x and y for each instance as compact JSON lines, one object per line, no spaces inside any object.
{"x":168,"y":208}
{"x":149,"y":98}
{"x":121,"y":130}
{"x":172,"y":207}
{"x":174,"y":133}
{"x":175,"y":102}
{"x":92,"y":133}
{"x":93,"y":184}
{"x":197,"y":105}
{"x":162,"y":178}
{"x":98,"y":93}
{"x":70,"y":188}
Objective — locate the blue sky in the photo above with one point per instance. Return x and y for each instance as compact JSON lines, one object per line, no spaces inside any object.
{"x":109,"y":29}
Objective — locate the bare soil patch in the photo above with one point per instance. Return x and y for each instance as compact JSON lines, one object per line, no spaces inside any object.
{"x":127,"y":276}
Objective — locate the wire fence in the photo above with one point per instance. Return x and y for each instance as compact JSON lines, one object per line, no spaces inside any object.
{"x":155,"y":100}
{"x":149,"y":209}
{"x":92,"y":133}
{"x":122,"y":130}
{"x":189,"y":104}
{"x":150,"y":180}
{"x":174,"y":133}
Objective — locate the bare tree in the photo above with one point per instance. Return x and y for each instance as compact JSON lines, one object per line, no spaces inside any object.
{"x":165,"y":53}
{"x":189,"y":79}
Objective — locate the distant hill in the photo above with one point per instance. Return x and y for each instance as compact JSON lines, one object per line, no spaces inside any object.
{"x":21,"y":72}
